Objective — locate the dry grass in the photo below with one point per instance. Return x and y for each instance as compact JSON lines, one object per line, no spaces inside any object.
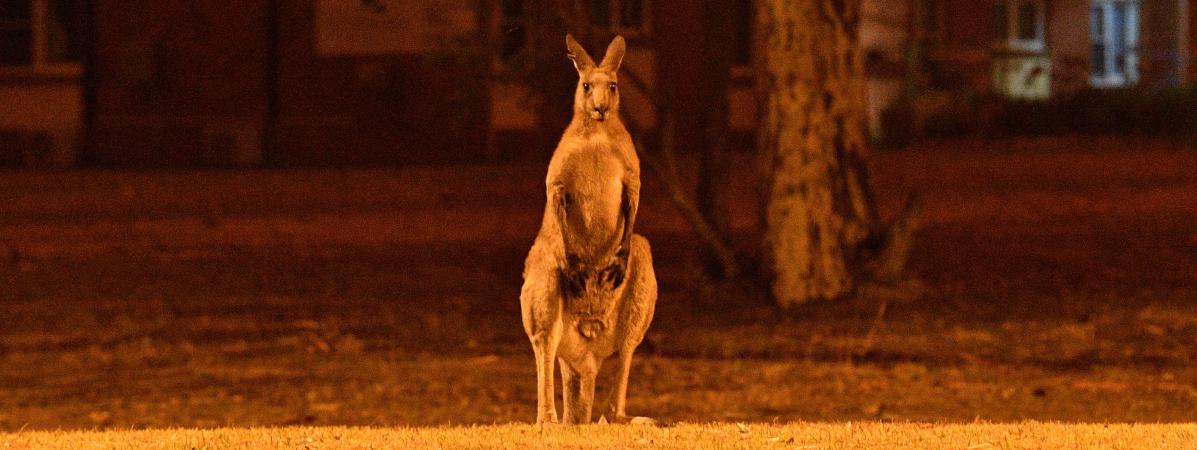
{"x":830,"y":436}
{"x":369,"y":389}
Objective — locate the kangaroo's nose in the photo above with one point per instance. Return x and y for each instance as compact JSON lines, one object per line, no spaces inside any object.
{"x":599,"y":112}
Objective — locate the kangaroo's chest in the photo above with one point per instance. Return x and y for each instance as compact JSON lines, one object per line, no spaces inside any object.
{"x":594,"y":182}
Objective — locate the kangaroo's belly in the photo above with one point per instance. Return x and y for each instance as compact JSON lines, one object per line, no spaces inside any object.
{"x":594,"y":184}
{"x":590,"y":336}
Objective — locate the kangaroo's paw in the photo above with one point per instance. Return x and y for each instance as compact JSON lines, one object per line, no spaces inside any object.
{"x":573,"y":280}
{"x":614,"y":273}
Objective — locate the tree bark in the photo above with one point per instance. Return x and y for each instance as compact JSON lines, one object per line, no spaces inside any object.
{"x":818,"y":215}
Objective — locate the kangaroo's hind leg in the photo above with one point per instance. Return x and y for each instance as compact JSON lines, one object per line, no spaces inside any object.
{"x":546,"y":405}
{"x":540,"y":304}
{"x":617,"y":402}
{"x":635,"y":318}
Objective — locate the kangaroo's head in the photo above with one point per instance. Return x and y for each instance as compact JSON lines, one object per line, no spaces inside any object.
{"x":597,"y":94}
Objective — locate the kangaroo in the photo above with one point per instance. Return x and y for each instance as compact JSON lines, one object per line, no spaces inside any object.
{"x":589,"y":287}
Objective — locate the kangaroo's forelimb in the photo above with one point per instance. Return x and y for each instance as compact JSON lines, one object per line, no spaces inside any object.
{"x":560,"y":202}
{"x":629,"y":203}
{"x":572,"y":277}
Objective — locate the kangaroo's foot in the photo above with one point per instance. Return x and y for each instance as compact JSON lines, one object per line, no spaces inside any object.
{"x":548,"y":420}
{"x":630,"y":420}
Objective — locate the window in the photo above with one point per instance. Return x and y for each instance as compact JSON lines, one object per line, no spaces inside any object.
{"x":623,"y":16}
{"x":1019,"y":25}
{"x":1021,"y":65}
{"x":1114,"y":36}
{"x":41,"y":35}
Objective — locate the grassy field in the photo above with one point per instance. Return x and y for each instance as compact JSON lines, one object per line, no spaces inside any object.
{"x":1059,"y":273}
{"x":829,"y":436}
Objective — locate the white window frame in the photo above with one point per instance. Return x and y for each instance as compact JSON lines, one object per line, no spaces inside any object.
{"x":40,"y":64}
{"x":1013,"y":40}
{"x":1113,"y":78}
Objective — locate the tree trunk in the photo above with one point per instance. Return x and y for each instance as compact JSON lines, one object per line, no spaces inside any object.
{"x":818,"y":216}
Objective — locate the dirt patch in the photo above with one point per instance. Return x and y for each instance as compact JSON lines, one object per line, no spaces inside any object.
{"x":1060,"y":284}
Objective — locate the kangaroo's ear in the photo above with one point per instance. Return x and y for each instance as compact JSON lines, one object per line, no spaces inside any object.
{"x":578,"y":55}
{"x":614,"y":55}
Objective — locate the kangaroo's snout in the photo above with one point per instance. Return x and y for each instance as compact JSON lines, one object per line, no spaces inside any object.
{"x":599,"y":112}
{"x":599,"y":102}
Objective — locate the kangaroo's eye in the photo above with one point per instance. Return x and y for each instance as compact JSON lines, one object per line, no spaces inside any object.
{"x":585,"y":87}
{"x":612,"y":87}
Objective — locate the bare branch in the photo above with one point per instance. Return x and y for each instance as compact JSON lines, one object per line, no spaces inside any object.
{"x":666,"y":169}
{"x":890,"y":262}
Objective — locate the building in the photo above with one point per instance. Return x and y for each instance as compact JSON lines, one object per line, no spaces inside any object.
{"x":215,"y":83}
{"x":955,"y":51}
{"x":41,"y":82}
{"x":353,"y":82}
{"x":1033,"y":48}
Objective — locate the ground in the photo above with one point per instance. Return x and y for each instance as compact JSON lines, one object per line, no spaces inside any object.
{"x":1059,"y":279}
{"x":803,"y":436}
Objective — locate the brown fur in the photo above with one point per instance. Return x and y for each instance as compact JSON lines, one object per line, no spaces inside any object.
{"x":589,"y":287}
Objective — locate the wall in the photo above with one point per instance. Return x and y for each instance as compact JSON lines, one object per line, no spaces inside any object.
{"x":42,"y":102}
{"x":360,"y":98}
{"x":188,"y":83}
{"x":1191,"y":11}
{"x":1068,"y":41}
{"x":1160,"y":44}
{"x":678,"y":27}
{"x":179,"y":83}
{"x":41,"y":120}
{"x":963,"y":62}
